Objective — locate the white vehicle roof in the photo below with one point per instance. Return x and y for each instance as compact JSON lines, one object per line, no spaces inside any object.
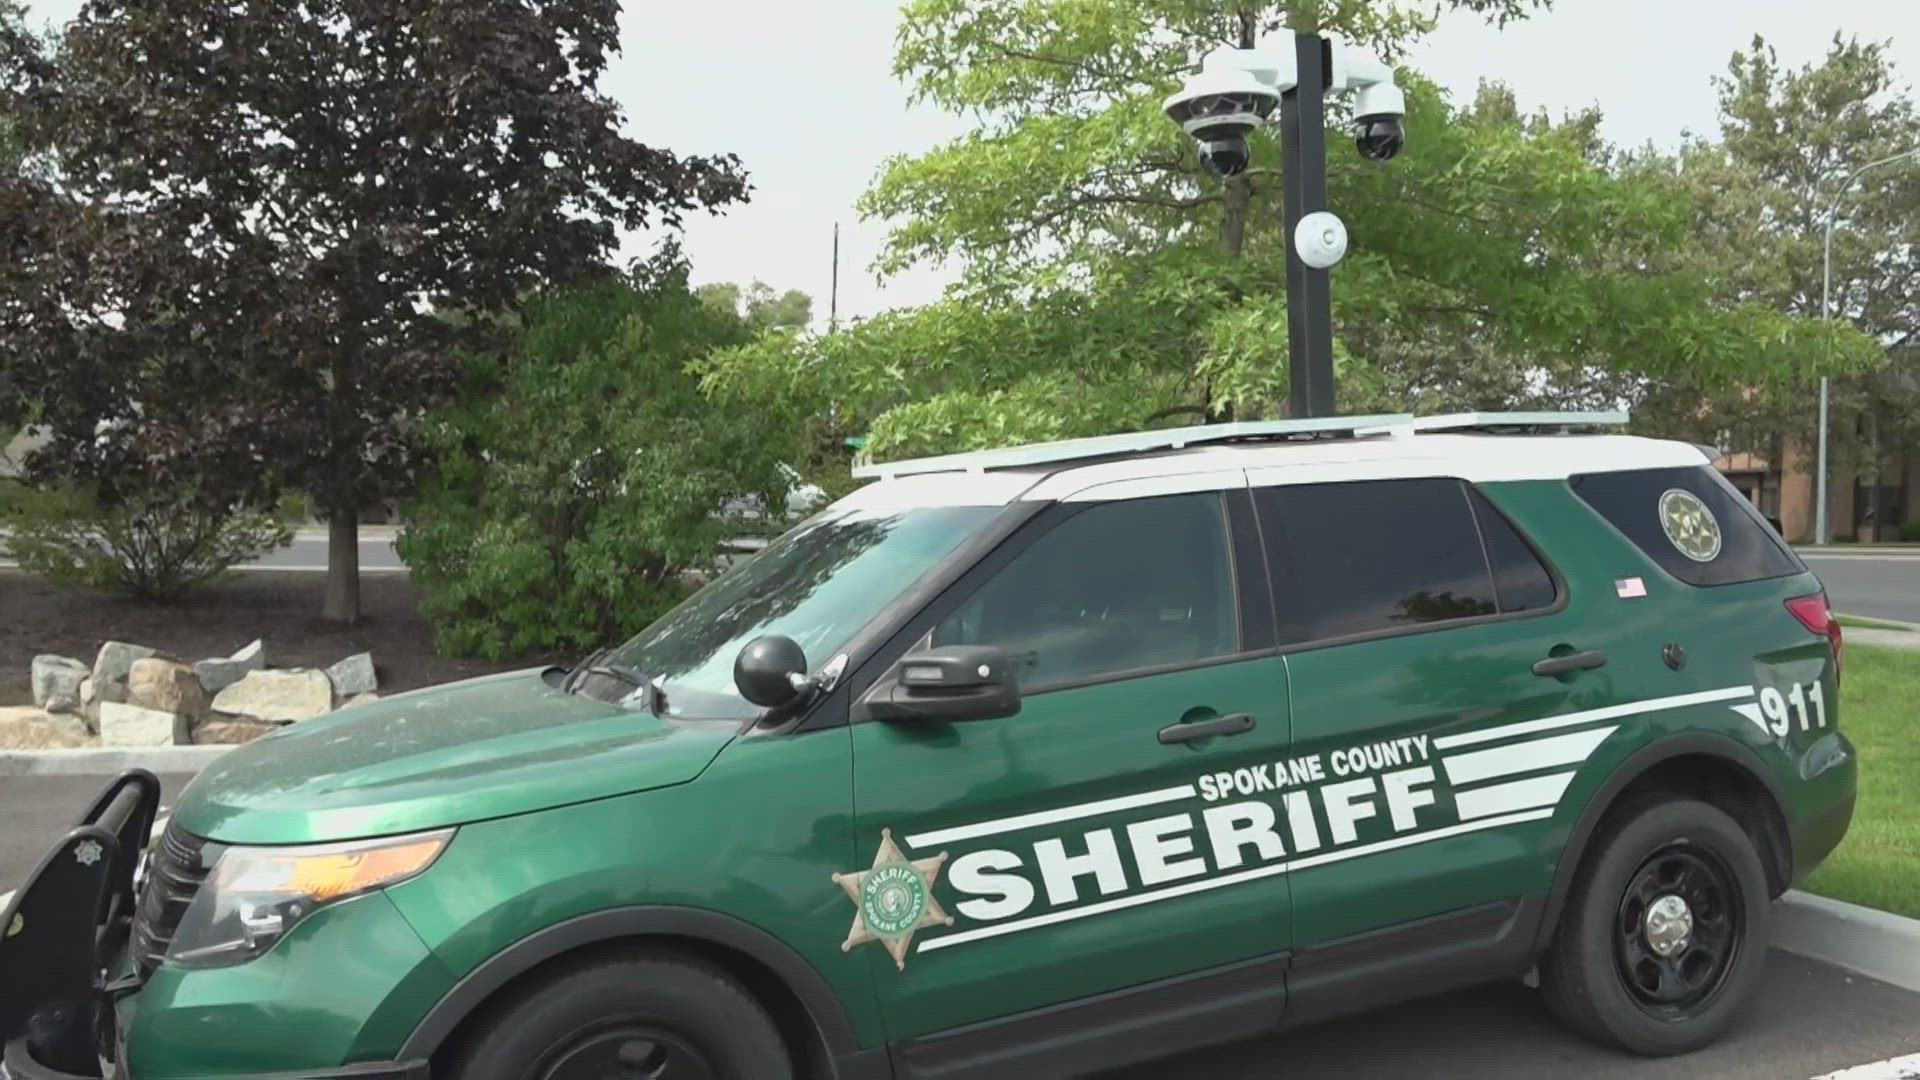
{"x":1472,"y":446}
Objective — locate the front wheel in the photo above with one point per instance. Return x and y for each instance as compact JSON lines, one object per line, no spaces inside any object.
{"x":644,"y":1017}
{"x":1665,"y":934}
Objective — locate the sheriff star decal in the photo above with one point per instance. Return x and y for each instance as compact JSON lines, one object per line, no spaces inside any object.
{"x":87,"y":852}
{"x":1689,"y":525}
{"x":892,"y":899}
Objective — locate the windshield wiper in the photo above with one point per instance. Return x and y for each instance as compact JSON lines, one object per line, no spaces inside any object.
{"x":595,"y":664}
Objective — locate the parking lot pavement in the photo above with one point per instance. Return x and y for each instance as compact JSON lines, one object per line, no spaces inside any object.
{"x":1808,"y":1020}
{"x":37,"y":810}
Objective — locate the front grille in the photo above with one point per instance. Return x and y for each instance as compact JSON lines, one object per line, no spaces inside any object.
{"x":176,"y":868}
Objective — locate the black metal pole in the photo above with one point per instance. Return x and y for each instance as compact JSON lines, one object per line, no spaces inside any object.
{"x":1303,"y":135}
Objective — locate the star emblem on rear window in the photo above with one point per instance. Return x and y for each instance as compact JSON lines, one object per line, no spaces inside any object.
{"x":87,"y":852}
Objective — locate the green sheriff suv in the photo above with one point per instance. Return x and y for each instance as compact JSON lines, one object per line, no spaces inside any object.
{"x":1021,"y":763}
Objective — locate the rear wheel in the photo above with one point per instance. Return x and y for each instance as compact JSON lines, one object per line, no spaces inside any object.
{"x":1665,"y":934}
{"x":645,"y":1017}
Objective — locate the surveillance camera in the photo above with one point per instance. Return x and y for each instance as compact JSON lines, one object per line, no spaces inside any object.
{"x":1377,"y":130}
{"x":1379,"y":137}
{"x":1221,"y":105}
{"x":1226,"y":156}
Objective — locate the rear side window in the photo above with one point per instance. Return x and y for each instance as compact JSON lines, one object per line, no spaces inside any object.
{"x":1520,"y":582}
{"x":1691,"y":522}
{"x":1381,"y":555}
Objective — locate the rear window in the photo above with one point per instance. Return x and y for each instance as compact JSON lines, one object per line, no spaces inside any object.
{"x":1691,"y":522}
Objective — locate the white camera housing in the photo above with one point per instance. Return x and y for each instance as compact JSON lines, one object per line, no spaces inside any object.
{"x":1381,"y":101}
{"x":1321,"y":239}
{"x":1221,"y":104}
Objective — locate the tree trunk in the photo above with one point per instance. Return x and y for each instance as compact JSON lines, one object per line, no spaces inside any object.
{"x":1237,"y":198}
{"x":343,"y":566}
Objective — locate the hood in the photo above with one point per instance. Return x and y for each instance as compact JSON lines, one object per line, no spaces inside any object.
{"x":484,"y":748}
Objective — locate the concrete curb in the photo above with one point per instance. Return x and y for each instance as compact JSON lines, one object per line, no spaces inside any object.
{"x":1877,"y":944}
{"x":108,"y":761}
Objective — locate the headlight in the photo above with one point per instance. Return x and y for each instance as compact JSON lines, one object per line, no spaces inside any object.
{"x":256,"y":894}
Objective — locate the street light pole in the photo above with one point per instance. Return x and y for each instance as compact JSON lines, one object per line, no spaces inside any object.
{"x":1826,"y":315}
{"x":1303,"y":141}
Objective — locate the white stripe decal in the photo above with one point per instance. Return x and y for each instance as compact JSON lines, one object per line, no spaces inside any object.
{"x":1900,"y":1068}
{"x":5,"y":897}
{"x":1529,"y":756}
{"x":1050,"y":817}
{"x":1611,"y":712}
{"x":1511,"y":796}
{"x":1118,"y":903}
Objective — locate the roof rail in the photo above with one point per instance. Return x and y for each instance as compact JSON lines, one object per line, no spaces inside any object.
{"x":1507,"y":421}
{"x":1016,"y":457}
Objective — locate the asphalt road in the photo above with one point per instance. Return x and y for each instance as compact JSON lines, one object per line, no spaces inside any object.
{"x":1808,"y":1020}
{"x":1876,"y":586}
{"x":309,"y":552}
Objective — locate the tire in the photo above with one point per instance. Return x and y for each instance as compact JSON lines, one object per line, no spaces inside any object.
{"x":647,"y":1015}
{"x":1621,"y":971}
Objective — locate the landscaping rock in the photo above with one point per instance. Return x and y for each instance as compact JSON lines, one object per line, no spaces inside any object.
{"x":28,"y":728}
{"x":354,"y":675}
{"x":278,"y":695}
{"x":221,"y":672}
{"x":231,"y":732}
{"x":130,"y":725}
{"x":167,"y":686}
{"x":116,"y":660}
{"x":356,"y":700}
{"x":57,"y":679}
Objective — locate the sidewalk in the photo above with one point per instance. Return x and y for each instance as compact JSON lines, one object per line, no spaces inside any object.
{"x":1867,"y":551}
{"x":1873,"y":635}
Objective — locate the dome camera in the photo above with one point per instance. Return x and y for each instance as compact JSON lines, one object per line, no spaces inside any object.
{"x":1377,"y":129}
{"x":1226,"y":157}
{"x":1221,"y":105}
{"x":1379,"y":137}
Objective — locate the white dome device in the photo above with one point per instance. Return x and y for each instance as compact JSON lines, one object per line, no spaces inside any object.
{"x":1321,"y":239}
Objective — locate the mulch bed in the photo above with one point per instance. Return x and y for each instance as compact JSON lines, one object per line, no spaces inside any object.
{"x":283,"y":608}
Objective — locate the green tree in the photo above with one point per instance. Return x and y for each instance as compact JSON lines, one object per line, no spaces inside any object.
{"x":581,"y":472}
{"x":253,"y":214}
{"x":1760,"y":195}
{"x":760,"y":305}
{"x":1505,"y":259}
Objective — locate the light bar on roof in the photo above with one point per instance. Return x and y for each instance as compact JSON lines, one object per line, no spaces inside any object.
{"x":1471,"y":420}
{"x":1017,"y":457}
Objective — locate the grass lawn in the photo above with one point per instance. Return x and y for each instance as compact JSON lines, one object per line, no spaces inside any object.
{"x":1879,"y":862}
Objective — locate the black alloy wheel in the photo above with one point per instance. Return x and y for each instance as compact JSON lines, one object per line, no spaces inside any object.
{"x":1678,"y":931}
{"x":627,"y":1050}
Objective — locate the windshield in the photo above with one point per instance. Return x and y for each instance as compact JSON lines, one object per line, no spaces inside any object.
{"x":818,"y":584}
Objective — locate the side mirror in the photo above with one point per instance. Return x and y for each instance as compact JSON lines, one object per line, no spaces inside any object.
{"x":771,"y":671}
{"x":957,"y":682}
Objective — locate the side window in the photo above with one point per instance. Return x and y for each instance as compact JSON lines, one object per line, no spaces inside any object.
{"x":1116,"y":587}
{"x":1520,"y":582}
{"x":1691,"y":522}
{"x":1363,"y":557}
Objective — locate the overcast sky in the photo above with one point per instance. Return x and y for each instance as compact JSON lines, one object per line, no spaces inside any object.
{"x":804,"y":94}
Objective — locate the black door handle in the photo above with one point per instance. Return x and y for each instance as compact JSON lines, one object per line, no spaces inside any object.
{"x":1580,"y":661}
{"x":1231,"y":724}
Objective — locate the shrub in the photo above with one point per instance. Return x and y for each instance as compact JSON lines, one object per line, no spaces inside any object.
{"x":151,"y":546}
{"x":582,"y":474}
{"x":1910,"y":532}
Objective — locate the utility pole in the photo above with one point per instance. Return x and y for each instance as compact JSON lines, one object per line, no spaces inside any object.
{"x":833,"y":295}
